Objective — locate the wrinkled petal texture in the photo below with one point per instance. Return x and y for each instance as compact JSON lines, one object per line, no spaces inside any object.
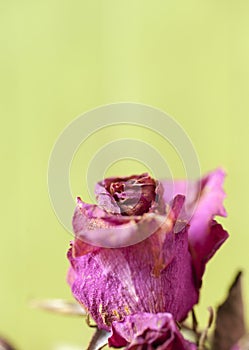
{"x":131,"y":195}
{"x":96,"y":228}
{"x":153,"y":276}
{"x":148,"y":331}
{"x":204,"y":200}
{"x":145,"y":255}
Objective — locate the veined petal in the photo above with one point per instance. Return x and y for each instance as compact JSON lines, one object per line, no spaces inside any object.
{"x":123,"y":264}
{"x":97,"y":228}
{"x":154,"y":275}
{"x":150,"y":331}
{"x":204,"y":200}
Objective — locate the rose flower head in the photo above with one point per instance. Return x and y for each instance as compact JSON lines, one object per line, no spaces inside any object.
{"x":133,"y":195}
{"x":142,"y":250}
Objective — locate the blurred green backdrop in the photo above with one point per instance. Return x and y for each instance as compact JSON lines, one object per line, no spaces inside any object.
{"x":62,"y":58}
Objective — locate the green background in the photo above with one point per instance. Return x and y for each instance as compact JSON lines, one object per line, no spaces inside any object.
{"x":62,"y":58}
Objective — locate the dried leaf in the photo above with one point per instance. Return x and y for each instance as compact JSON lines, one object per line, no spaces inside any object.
{"x":59,"y":306}
{"x":99,"y":340}
{"x":230,"y":323}
{"x":4,"y":345}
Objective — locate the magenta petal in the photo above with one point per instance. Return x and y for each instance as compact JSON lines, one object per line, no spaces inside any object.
{"x":203,"y":250}
{"x":152,"y":263}
{"x":204,"y":200}
{"x":199,"y":192}
{"x":154,"y":275}
{"x":93,"y":226}
{"x":150,"y":331}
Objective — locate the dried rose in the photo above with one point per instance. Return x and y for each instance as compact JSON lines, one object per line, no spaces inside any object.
{"x":132,"y":253}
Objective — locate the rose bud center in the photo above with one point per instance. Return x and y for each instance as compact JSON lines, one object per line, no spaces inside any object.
{"x":134,"y":195}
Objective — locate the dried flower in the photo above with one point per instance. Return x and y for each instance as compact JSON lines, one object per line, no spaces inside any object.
{"x":135,"y":253}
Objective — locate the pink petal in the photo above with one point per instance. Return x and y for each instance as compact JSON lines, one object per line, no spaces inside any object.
{"x":150,"y":331}
{"x":154,"y":275}
{"x":204,"y":200}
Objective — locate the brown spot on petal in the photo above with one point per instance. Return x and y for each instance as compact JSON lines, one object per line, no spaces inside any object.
{"x":117,"y":315}
{"x":160,"y":259}
{"x":127,"y":310}
{"x":104,"y":316}
{"x":81,"y":248}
